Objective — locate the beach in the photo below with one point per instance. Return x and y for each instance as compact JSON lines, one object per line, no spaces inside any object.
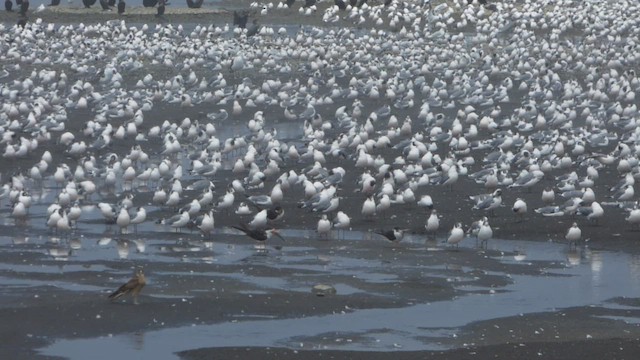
{"x":527,"y":292}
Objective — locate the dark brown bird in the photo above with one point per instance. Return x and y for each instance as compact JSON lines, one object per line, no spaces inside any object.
{"x":133,"y":287}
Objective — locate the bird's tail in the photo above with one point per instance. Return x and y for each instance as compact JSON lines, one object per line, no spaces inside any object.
{"x":117,"y":294}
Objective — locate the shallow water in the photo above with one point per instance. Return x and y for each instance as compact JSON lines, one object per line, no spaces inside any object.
{"x":581,"y":278}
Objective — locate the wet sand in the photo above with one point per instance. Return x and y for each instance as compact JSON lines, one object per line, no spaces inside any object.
{"x":592,"y":349}
{"x":195,"y":281}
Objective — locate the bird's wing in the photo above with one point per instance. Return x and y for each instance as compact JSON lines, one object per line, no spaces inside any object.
{"x":485,"y":203}
{"x":125,"y":289}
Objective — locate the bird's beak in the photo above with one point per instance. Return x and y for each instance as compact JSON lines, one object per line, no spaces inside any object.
{"x":277,"y":234}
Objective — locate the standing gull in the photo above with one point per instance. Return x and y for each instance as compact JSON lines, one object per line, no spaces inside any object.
{"x":574,"y":234}
{"x":456,"y":235}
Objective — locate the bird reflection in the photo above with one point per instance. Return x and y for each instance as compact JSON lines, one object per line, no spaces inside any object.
{"x":123,"y":248}
{"x":19,"y":240}
{"x":573,"y":256}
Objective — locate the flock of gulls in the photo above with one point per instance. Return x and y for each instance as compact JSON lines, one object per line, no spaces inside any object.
{"x":387,"y":112}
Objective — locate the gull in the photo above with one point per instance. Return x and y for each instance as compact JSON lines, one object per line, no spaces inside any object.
{"x":275,"y":214}
{"x":426,"y":202}
{"x":572,"y":193}
{"x":627,"y":180}
{"x":368,"y":208}
{"x":74,"y":213}
{"x":450,"y":178}
{"x":489,"y":203}
{"x":456,"y":235}
{"x":243,"y":209}
{"x":220,"y":116}
{"x":133,"y":287}
{"x":519,"y":208}
{"x":207,"y":224}
{"x":548,"y":195}
{"x":206,"y":198}
{"x":193,"y":208}
{"x":123,"y":219}
{"x":226,"y":201}
{"x":324,"y":227}
{"x":54,"y":216}
{"x":341,"y":221}
{"x":574,"y":234}
{"x":259,"y":221}
{"x":177,"y":221}
{"x":19,"y":211}
{"x":258,"y":235}
{"x":368,"y":185}
{"x":139,"y":217}
{"x":484,"y":233}
{"x":173,"y":199}
{"x":474,"y":228}
{"x":385,"y":203}
{"x":394,"y":235}
{"x":159,"y":196}
{"x":634,"y":217}
{"x":592,"y":213}
{"x":568,"y":208}
{"x":108,"y":212}
{"x":433,"y":223}
{"x":527,"y":179}
{"x":260,"y":200}
{"x":624,"y":194}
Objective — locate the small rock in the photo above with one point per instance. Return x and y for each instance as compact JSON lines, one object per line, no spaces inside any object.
{"x":323,"y":290}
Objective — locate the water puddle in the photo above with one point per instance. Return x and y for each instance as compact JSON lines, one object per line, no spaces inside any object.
{"x":581,"y":278}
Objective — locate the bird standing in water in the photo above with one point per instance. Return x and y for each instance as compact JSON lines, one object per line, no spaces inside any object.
{"x":259,"y":235}
{"x":394,"y":235}
{"x":456,"y":235}
{"x":133,"y":287}
{"x":121,"y":6}
{"x":574,"y":234}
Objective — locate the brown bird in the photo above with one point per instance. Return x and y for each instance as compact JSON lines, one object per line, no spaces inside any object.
{"x":133,"y":287}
